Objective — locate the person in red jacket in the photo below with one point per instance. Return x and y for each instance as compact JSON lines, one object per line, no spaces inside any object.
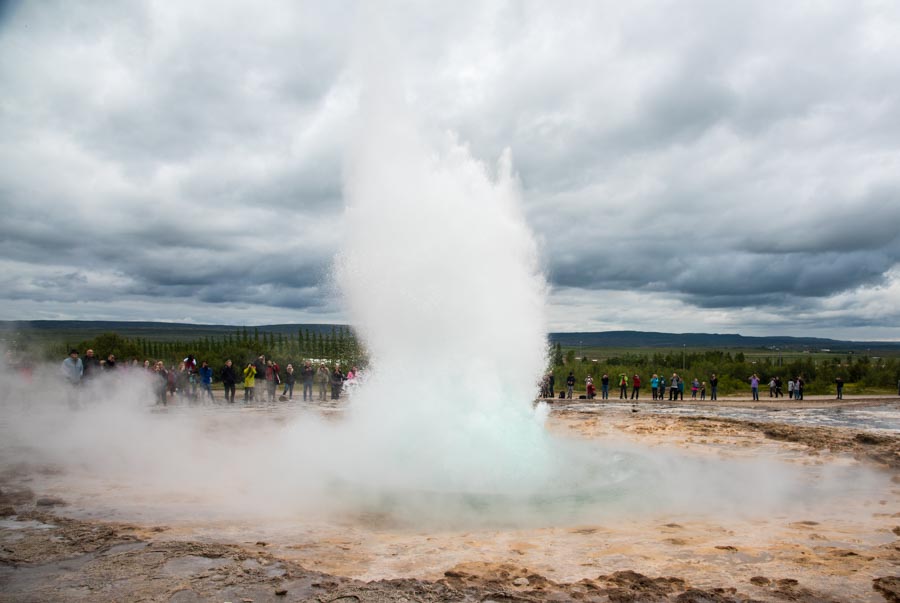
{"x":635,"y":387}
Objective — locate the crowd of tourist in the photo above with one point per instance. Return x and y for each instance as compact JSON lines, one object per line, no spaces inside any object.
{"x":191,"y":380}
{"x":673,"y":387}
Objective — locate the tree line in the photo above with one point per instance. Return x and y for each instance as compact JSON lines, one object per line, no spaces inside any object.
{"x":340,"y":346}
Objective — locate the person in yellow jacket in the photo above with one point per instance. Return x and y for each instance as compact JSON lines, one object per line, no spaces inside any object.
{"x":249,"y":382}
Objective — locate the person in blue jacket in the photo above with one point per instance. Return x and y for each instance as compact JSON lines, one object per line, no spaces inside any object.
{"x":206,"y":376}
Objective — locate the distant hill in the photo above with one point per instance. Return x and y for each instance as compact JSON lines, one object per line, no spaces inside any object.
{"x":647,"y":339}
{"x":78,"y":330}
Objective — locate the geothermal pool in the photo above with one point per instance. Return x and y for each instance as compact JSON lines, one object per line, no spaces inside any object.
{"x":877,"y":415}
{"x":714,"y":514}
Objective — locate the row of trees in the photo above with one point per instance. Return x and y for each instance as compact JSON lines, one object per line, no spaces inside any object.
{"x":860,"y":373}
{"x":339,"y":346}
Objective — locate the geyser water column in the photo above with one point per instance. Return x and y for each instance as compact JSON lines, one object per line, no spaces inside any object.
{"x":440,"y":276}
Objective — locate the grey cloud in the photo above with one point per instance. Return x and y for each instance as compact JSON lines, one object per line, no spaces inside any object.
{"x":730,"y":156}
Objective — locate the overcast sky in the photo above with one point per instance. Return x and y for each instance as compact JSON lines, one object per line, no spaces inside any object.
{"x":685,"y":166}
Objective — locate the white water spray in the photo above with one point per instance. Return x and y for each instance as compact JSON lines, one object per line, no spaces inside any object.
{"x":441,"y":279}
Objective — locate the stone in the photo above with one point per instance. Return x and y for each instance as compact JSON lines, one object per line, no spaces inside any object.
{"x":50,"y":501}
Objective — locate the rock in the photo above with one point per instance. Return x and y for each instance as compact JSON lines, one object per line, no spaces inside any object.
{"x":281,"y":592}
{"x":629,"y":586}
{"x":888,"y":587}
{"x":7,"y":511}
{"x":262,"y":543}
{"x":695,"y":595}
{"x":16,"y":497}
{"x":760,"y":580}
{"x":871,"y":438}
{"x":50,"y":501}
{"x":521,"y":582}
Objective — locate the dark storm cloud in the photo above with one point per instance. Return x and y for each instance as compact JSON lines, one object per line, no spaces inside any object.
{"x":737,"y":161}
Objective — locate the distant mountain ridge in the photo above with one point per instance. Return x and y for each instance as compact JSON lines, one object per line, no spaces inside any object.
{"x":627,"y":339}
{"x":77,"y":330}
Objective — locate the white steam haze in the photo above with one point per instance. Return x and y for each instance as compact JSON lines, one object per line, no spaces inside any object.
{"x":117,"y":455}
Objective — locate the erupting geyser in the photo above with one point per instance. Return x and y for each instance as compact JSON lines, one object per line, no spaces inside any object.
{"x":441,"y":279}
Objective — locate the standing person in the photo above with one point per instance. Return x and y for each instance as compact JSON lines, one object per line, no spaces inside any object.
{"x":193,"y":379}
{"x":206,"y":376}
{"x":337,"y":382}
{"x":654,"y":385}
{"x":260,"y":364}
{"x":714,"y":387}
{"x":791,"y":388}
{"x":91,"y":365}
{"x":249,"y":382}
{"x":589,"y":387}
{"x":551,"y":382}
{"x":72,"y":368}
{"x":798,"y":388}
{"x":190,"y":363}
{"x":271,"y":376}
{"x":840,"y":388}
{"x":778,"y":392}
{"x":661,"y":387}
{"x":703,"y":390}
{"x":289,"y":382}
{"x":110,"y":363}
{"x":229,"y":378}
{"x":681,"y":388}
{"x":604,"y":386}
{"x":322,"y":378}
{"x":695,"y":387}
{"x":623,"y":386}
{"x":570,"y":385}
{"x":673,"y":387}
{"x":635,"y":387}
{"x":754,"y":386}
{"x":307,"y":373}
{"x":772,"y":387}
{"x":171,"y":381}
{"x":160,"y":382}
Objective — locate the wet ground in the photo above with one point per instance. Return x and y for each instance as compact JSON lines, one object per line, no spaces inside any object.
{"x":863,"y":412}
{"x":69,"y":535}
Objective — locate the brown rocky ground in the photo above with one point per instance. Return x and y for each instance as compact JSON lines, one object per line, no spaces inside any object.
{"x":46,"y":555}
